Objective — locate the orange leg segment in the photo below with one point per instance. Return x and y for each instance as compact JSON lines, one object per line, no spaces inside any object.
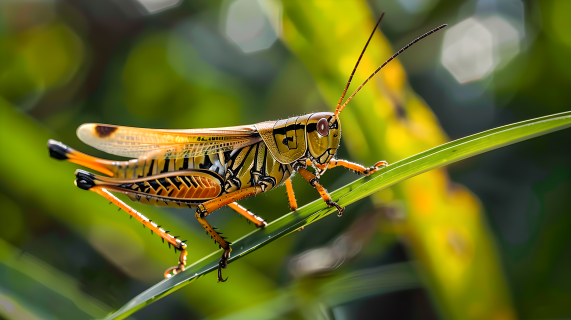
{"x":351,"y":166}
{"x":217,"y":203}
{"x":259,"y":222}
{"x":314,"y":181}
{"x":210,"y":206}
{"x":357,"y":167}
{"x":290,"y":195}
{"x":179,"y":245}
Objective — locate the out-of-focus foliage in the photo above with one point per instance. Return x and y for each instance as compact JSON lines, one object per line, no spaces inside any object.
{"x":34,"y":289}
{"x":174,"y":64}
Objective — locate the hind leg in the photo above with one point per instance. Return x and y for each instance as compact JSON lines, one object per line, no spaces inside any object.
{"x":86,"y":181}
{"x":176,"y":243}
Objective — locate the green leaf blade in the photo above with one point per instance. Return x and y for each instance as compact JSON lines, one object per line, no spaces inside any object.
{"x":460,"y":149}
{"x":407,"y":168}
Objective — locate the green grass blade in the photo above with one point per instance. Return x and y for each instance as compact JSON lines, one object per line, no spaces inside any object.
{"x":434,"y":158}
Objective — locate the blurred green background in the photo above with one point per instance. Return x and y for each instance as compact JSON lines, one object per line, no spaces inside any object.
{"x":486,"y":238}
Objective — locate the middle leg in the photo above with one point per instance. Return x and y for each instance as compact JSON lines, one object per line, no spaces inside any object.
{"x":210,"y":206}
{"x":290,"y":195}
{"x":259,"y":222}
{"x":314,"y":182}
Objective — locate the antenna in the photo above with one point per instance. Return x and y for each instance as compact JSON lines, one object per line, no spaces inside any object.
{"x":359,"y":60}
{"x":339,"y":109}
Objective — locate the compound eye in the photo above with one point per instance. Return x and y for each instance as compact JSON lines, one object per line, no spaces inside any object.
{"x":323,"y":127}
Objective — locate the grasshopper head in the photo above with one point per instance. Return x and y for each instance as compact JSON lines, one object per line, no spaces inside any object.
{"x":323,"y":136}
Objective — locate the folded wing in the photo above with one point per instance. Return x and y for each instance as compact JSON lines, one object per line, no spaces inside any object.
{"x":168,"y":144}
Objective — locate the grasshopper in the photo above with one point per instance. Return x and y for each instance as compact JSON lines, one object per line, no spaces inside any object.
{"x":207,"y":169}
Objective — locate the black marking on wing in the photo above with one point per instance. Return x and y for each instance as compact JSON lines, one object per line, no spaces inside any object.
{"x":104,"y":131}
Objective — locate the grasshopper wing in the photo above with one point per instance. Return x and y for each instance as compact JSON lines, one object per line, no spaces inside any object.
{"x":167,"y":144}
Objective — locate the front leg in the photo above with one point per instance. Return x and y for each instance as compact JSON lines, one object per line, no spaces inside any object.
{"x":360,"y":169}
{"x":290,"y":195}
{"x":314,"y":182}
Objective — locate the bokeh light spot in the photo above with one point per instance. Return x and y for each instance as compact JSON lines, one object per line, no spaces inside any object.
{"x":467,"y":51}
{"x":506,"y":40}
{"x":8,"y":305}
{"x":57,"y":44}
{"x":153,"y":6}
{"x":249,"y":25}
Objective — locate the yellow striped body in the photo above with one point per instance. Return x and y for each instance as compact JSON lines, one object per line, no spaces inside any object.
{"x":185,"y":182}
{"x":160,"y":178}
{"x":254,"y":165}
